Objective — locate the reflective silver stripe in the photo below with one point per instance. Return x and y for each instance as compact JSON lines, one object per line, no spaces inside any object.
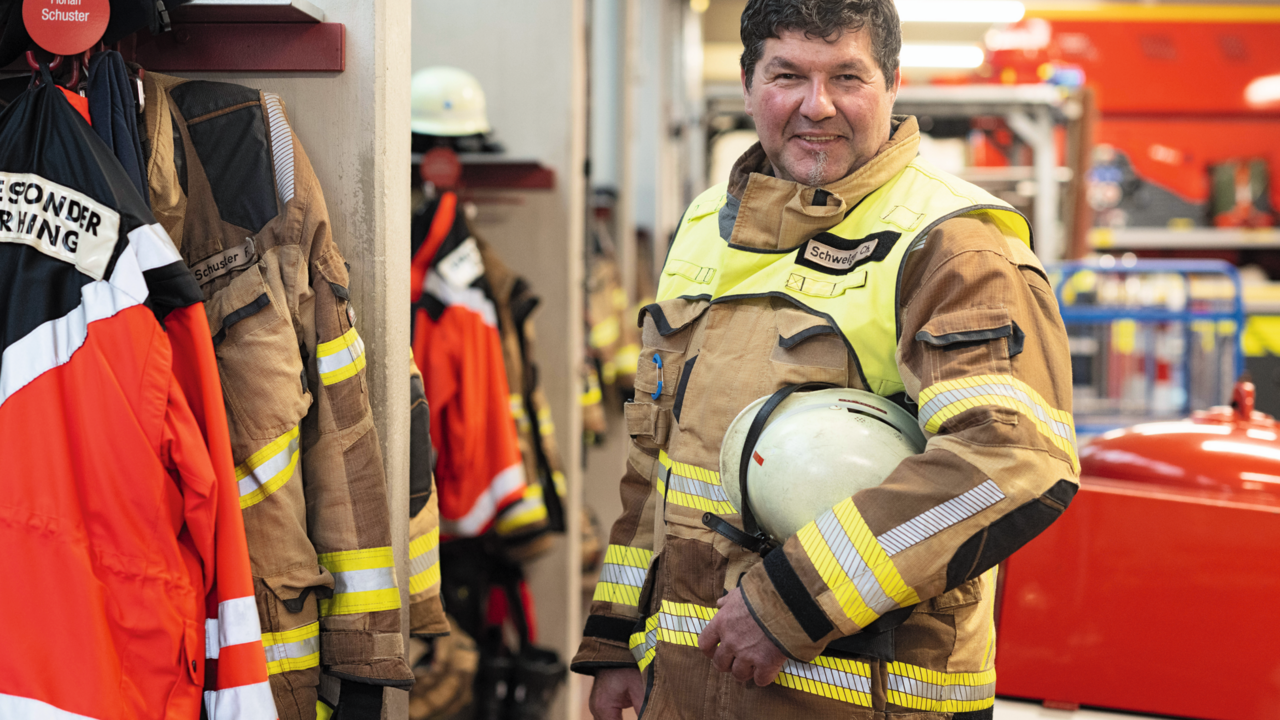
{"x":854,"y":567}
{"x":936,"y":519}
{"x":343,"y":357}
{"x":423,"y":562}
{"x":830,"y":676}
{"x":650,"y":641}
{"x":622,"y":575}
{"x":294,"y":650}
{"x":940,"y":693}
{"x":281,"y":146}
{"x":943,"y":399}
{"x":352,"y":581}
{"x":681,"y":623}
{"x":273,"y":466}
{"x":688,"y":485}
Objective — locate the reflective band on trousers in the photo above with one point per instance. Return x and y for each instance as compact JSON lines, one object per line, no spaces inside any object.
{"x":340,"y":359}
{"x":692,"y":487}
{"x":265,"y":471}
{"x":836,"y":678}
{"x":622,"y":575}
{"x":424,"y":561}
{"x":296,"y":649}
{"x":942,"y":401}
{"x":363,"y":581}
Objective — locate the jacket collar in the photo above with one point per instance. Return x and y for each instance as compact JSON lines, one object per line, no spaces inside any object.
{"x":776,"y":214}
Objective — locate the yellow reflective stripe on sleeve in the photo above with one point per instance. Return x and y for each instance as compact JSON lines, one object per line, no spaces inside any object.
{"x":944,"y":400}
{"x":682,"y":623}
{"x":323,"y":710}
{"x":364,"y":581}
{"x":692,"y":487}
{"x":622,"y":575}
{"x":529,"y":510}
{"x":296,"y":649}
{"x":933,"y":691}
{"x":265,"y":471}
{"x":424,"y":561}
{"x":853,"y":565}
{"x":340,"y":359}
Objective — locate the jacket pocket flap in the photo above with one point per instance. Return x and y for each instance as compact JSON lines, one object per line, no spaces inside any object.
{"x":966,"y":326}
{"x":796,"y":326}
{"x":672,"y":316}
{"x":245,"y":297}
{"x":647,"y":420}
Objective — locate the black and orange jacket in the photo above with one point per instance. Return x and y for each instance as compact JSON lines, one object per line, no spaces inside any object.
{"x":120,"y":520}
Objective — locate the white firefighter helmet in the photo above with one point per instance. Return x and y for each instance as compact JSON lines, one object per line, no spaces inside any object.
{"x":447,"y":102}
{"x":815,"y":449}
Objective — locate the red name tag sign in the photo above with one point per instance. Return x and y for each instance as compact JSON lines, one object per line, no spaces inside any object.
{"x":66,"y":27}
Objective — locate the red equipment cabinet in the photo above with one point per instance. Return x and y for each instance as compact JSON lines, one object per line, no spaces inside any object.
{"x":1155,"y":592}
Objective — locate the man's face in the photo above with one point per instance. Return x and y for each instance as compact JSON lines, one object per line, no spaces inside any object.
{"x":821,"y":108}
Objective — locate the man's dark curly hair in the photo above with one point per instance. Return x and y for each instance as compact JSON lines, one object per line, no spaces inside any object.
{"x":826,"y":19}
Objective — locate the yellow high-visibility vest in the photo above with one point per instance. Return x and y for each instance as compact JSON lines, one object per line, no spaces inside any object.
{"x":849,"y":275}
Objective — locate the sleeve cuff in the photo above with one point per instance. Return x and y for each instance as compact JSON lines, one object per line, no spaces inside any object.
{"x":784,"y":609}
{"x":596,"y":654}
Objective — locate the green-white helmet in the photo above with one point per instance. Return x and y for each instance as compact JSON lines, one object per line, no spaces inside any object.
{"x":815,"y":449}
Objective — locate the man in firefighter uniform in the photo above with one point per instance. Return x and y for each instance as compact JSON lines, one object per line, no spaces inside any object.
{"x":833,"y":255}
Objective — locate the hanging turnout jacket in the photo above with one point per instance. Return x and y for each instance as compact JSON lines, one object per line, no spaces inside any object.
{"x":231,"y":183}
{"x":899,"y":280}
{"x":120,"y":521}
{"x":479,"y":470}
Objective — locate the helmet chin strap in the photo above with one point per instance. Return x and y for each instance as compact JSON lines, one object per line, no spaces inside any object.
{"x":753,"y":538}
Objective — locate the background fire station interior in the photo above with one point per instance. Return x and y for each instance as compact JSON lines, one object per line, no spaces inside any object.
{"x":634,"y":86}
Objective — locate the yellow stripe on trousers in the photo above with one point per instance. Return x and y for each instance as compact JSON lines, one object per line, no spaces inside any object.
{"x":835,"y":678}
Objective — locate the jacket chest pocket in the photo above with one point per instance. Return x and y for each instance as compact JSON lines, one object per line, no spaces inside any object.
{"x":664,"y":369}
{"x":263,"y":381}
{"x":808,"y":349}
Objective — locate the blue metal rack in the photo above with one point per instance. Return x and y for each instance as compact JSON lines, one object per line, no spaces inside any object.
{"x":1191,"y":316}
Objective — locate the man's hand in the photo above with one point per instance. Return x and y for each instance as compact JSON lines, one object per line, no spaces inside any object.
{"x":615,"y":690}
{"x":736,"y":644}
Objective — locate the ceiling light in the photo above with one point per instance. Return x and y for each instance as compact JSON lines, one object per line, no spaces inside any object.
{"x":941,"y":56}
{"x":1263,"y":91}
{"x":966,"y":11}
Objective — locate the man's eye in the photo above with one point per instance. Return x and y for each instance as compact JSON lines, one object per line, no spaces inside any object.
{"x":848,"y":78}
{"x":786,"y":76}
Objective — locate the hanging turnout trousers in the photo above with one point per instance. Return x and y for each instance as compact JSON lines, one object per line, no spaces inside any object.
{"x":883,"y":605}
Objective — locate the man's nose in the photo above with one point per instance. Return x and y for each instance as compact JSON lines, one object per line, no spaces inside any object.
{"x":817,"y":105}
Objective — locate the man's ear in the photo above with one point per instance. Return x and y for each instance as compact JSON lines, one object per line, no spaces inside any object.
{"x":746,"y":92}
{"x":897,"y":82}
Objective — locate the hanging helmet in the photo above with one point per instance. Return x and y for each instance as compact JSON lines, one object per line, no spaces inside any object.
{"x":447,"y":102}
{"x":814,"y":450}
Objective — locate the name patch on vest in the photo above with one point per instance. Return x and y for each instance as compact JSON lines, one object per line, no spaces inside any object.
{"x":834,"y":255}
{"x":215,"y":266}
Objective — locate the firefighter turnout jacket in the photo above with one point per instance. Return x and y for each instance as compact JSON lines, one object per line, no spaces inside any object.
{"x":898,"y":279}
{"x":128,"y":580}
{"x":231,"y":184}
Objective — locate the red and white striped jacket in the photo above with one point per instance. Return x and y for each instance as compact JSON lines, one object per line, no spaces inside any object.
{"x":128,"y":587}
